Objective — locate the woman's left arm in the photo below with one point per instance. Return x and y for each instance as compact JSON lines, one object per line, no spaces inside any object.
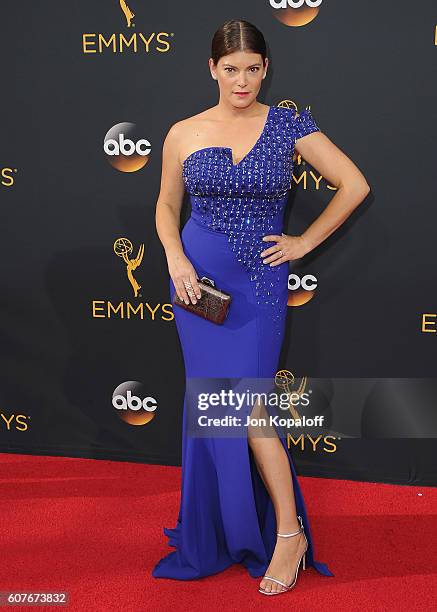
{"x":341,"y":172}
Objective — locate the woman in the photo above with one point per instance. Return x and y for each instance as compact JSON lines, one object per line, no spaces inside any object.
{"x":240,"y":499}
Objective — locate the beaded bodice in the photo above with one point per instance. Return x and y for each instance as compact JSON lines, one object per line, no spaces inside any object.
{"x":246,"y":200}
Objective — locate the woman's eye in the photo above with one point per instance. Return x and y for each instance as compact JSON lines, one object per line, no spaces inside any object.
{"x":253,"y":69}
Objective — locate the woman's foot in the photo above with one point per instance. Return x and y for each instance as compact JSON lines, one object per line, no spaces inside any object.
{"x":284,"y":561}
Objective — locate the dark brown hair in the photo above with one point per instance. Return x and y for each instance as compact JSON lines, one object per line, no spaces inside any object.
{"x":237,"y":35}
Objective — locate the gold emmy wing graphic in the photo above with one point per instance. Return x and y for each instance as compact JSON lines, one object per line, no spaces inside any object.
{"x":123,"y":248}
{"x":284,"y":379}
{"x":127,"y":13}
{"x":288,"y":104}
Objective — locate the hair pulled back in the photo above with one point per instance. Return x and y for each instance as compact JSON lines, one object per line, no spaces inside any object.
{"x":237,"y":35}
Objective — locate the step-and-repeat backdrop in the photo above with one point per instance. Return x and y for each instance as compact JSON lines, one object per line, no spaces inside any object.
{"x":91,"y":360}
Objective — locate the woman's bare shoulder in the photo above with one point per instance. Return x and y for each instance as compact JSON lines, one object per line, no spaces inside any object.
{"x":188,"y":123}
{"x":183,"y":132}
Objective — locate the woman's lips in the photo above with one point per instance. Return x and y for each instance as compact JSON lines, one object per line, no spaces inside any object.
{"x":241,"y":93}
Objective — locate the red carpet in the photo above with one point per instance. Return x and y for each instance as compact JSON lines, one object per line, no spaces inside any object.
{"x":94,"y":528}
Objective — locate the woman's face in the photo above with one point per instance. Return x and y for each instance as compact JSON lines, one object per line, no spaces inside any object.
{"x":238,"y":72}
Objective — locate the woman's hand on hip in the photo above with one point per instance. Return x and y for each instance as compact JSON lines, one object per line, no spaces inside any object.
{"x":184,"y":278}
{"x":286,"y":248}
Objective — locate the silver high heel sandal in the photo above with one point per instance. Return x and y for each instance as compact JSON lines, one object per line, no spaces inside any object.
{"x":287,"y":587}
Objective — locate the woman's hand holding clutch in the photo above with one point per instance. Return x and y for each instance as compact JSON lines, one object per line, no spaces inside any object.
{"x":184,"y":277}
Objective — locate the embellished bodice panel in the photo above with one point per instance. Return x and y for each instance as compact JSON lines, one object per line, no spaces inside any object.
{"x":246,"y":200}
{"x":264,"y":173}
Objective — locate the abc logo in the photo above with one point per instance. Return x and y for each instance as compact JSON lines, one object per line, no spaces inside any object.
{"x":302,"y":289}
{"x":296,"y":4}
{"x":126,"y":146}
{"x":295,"y":13}
{"x":308,"y":282}
{"x":125,"y":149}
{"x":132,"y":404}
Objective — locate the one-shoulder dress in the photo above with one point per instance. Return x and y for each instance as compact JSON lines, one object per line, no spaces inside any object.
{"x":226,"y":515}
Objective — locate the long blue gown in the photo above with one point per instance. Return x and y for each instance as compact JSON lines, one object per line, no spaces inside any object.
{"x":226,"y":515}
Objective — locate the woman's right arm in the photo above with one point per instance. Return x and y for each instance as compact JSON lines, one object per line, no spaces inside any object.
{"x":167,"y":217}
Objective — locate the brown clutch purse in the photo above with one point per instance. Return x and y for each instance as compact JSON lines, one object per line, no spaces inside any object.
{"x":212,"y":305}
